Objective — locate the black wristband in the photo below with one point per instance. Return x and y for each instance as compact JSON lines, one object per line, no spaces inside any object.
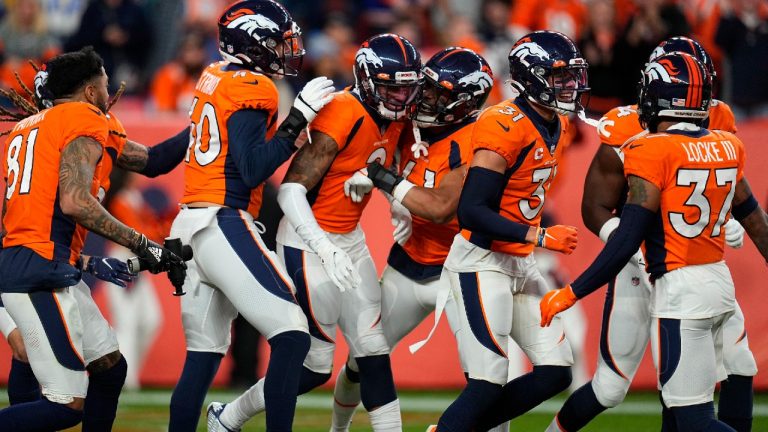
{"x":744,"y":209}
{"x":292,"y":125}
{"x":383,"y":178}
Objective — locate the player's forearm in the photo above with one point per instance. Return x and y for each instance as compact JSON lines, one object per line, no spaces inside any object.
{"x":756,"y":225}
{"x":163,"y":157}
{"x":88,"y":212}
{"x":603,"y":187}
{"x":476,"y":208}
{"x":76,"y":170}
{"x":431,"y":204}
{"x":595,"y":215}
{"x":617,"y":251}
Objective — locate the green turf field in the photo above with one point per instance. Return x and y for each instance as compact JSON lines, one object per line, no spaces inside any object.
{"x":147,"y":411}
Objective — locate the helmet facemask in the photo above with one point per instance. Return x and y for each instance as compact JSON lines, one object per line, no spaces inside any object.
{"x":437,"y":108}
{"x":563,"y":85}
{"x":394,"y":99}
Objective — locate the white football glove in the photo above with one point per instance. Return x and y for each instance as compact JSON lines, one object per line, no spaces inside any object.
{"x":338,"y":266}
{"x":358,"y":185}
{"x":734,"y":233}
{"x":402,"y":221}
{"x":419,"y":148}
{"x":315,"y":95}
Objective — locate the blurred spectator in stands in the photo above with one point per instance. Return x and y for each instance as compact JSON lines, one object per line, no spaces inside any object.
{"x":566,"y":16}
{"x":63,"y":16}
{"x":119,"y":31}
{"x":167,"y":33}
{"x":24,"y":36}
{"x":331,"y":52}
{"x":410,"y":29}
{"x":136,"y":314}
{"x":498,"y":39}
{"x":652,"y":22}
{"x":173,"y":86}
{"x":597,"y":47}
{"x":204,"y":16}
{"x":742,"y":34}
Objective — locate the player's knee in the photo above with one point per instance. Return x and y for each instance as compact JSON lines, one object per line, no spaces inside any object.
{"x":77,"y":404}
{"x":311,"y":379}
{"x":553,"y":379}
{"x":697,"y":418}
{"x":293,"y":343}
{"x":112,"y":378}
{"x":610,"y":389}
{"x":105,"y":362}
{"x":741,"y":362}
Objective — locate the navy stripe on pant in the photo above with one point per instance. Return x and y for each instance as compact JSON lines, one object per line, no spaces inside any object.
{"x":238,"y":234}
{"x":294,"y":263}
{"x":56,"y":330}
{"x":470,"y":291}
{"x":669,"y":348}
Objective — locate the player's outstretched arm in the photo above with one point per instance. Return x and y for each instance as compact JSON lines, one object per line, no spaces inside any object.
{"x":435,"y":204}
{"x":603,"y":190}
{"x":637,"y":214}
{"x":753,"y":218}
{"x":157,"y":160}
{"x":77,"y":165}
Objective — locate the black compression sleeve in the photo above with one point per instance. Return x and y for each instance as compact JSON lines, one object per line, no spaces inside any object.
{"x":478,"y":209}
{"x":624,"y":242}
{"x":256,"y":158}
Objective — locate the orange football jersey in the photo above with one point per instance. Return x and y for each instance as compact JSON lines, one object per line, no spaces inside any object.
{"x":696,"y":173}
{"x":516,"y":132}
{"x":33,"y":217}
{"x":113,"y":150}
{"x":429,"y":242}
{"x":620,"y":124}
{"x":361,"y":141}
{"x":211,"y":175}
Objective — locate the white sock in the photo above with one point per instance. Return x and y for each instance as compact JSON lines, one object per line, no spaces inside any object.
{"x":504,"y":427}
{"x":554,"y":427}
{"x":386,"y":418}
{"x":239,"y":411}
{"x":346,"y":398}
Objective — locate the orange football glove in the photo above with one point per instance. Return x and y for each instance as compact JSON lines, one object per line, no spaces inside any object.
{"x":559,"y":238}
{"x":554,"y":302}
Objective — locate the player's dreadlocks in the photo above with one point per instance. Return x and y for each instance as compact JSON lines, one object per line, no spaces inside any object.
{"x":78,"y":67}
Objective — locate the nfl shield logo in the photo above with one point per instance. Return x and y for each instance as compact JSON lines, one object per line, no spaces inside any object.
{"x":635,"y":281}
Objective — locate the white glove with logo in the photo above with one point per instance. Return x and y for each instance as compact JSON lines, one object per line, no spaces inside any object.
{"x":402,"y":221}
{"x":337,"y":265}
{"x":358,"y":185}
{"x":734,"y":233}
{"x":315,"y":95}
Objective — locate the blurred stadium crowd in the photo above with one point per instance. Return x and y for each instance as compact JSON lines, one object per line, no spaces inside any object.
{"x":159,"y":47}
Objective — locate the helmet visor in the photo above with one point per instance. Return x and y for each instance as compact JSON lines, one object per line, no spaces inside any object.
{"x":293,"y":51}
{"x":568,"y":83}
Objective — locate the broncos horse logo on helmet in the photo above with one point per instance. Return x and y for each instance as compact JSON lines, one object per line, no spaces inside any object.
{"x":457,"y":84}
{"x":548,"y":70}
{"x":388,"y":75}
{"x":688,"y":46}
{"x":675,"y":87}
{"x":261,"y":36}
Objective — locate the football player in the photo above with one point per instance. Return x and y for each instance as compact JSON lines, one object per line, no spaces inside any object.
{"x":236,"y":145}
{"x":320,"y":240}
{"x":493,"y":276}
{"x":55,"y":158}
{"x":626,"y":318}
{"x":684,"y":180}
{"x":457,"y":83}
{"x":103,"y":387}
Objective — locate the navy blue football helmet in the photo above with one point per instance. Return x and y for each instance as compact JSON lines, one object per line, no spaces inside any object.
{"x":457,"y":82}
{"x":675,"y":86}
{"x":688,"y":46}
{"x":262,"y":36}
{"x":547,"y":68}
{"x":388,"y":75}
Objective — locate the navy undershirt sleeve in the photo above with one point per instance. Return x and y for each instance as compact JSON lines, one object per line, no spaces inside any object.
{"x":256,"y":158}
{"x":478,"y":209}
{"x":162,"y":158}
{"x":624,"y":242}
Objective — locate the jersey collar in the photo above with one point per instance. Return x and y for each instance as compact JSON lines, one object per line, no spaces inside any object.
{"x":550,"y":135}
